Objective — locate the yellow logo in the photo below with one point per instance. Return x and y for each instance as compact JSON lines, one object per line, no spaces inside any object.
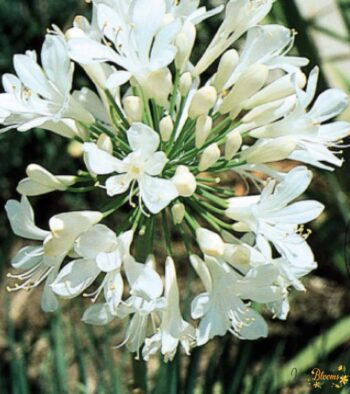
{"x":337,"y":379}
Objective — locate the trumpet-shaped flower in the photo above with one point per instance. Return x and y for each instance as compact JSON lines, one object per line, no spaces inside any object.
{"x":101,"y":251}
{"x":220,"y":308}
{"x":141,"y":166}
{"x":41,"y":263}
{"x":173,"y":329}
{"x":313,"y":139}
{"x":272,"y":218}
{"x":145,"y":303}
{"x":40,"y":96}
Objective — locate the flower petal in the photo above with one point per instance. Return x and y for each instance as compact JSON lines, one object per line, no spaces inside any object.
{"x":75,"y":277}
{"x":142,"y":137}
{"x":157,"y":193}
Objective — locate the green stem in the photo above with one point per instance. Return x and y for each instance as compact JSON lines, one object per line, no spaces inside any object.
{"x":173,"y":96}
{"x":117,"y":109}
{"x":167,"y":235}
{"x":211,"y":197}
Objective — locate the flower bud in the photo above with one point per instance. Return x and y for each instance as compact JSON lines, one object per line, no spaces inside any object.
{"x":166,"y":127}
{"x":184,"y":181}
{"x":248,"y":84}
{"x":233,"y":143}
{"x":204,"y":125}
{"x":41,"y":181}
{"x":209,"y":157}
{"x":184,"y":44}
{"x":159,"y":85}
{"x":210,"y":243}
{"x":276,"y":90}
{"x":268,"y":151}
{"x":133,"y":108}
{"x":236,"y":254}
{"x":185,"y":84}
{"x":178,"y":211}
{"x":104,"y":142}
{"x":227,"y":65}
{"x":203,"y":100}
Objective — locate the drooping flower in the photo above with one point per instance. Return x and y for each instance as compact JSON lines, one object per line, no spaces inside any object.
{"x":41,"y":263}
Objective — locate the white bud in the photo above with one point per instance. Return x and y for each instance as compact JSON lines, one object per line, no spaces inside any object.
{"x":268,"y":151}
{"x":166,"y":127}
{"x":227,"y":65}
{"x":233,"y":143}
{"x":185,"y":84}
{"x":178,"y":211}
{"x":203,"y":100}
{"x":184,"y":44}
{"x":158,"y":85}
{"x":41,"y":181}
{"x":209,"y":157}
{"x":276,"y":90}
{"x":184,"y":181}
{"x":105,"y":143}
{"x":204,"y":125}
{"x":236,"y":254}
{"x":133,"y":108}
{"x":248,"y":84}
{"x":210,"y":243}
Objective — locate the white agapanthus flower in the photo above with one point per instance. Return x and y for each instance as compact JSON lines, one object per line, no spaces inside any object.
{"x":164,"y":142}
{"x":143,"y":166}
{"x":41,"y":263}
{"x":40,"y":96}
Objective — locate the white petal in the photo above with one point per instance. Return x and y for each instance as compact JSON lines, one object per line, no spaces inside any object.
{"x":98,"y":315}
{"x":66,"y":228}
{"x":142,"y":137}
{"x":156,"y":163}
{"x":200,"y":305}
{"x":29,"y":188}
{"x":144,"y":281}
{"x":28,"y":257}
{"x":21,"y":217}
{"x":118,"y":184}
{"x":108,"y":262}
{"x":56,"y":63}
{"x":75,"y":277}
{"x":33,"y":76}
{"x":87,"y":51}
{"x":157,"y":193}
{"x":96,"y":240}
{"x":113,"y":290}
{"x":329,"y":104}
{"x":99,"y":161}
{"x":117,"y":79}
{"x":202,"y":271}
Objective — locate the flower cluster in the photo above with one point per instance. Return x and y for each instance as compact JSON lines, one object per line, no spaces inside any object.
{"x":165,"y":139}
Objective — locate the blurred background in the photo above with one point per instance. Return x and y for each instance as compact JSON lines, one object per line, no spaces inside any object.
{"x":55,"y":353}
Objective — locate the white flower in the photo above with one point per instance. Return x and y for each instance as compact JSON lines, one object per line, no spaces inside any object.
{"x":142,"y":40}
{"x":240,"y":16}
{"x":145,"y":303}
{"x":141,"y":166}
{"x":272,"y":218}
{"x":42,"y":262}
{"x":313,"y":139}
{"x":40,"y":96}
{"x":220,"y":308}
{"x":101,"y":251}
{"x":173,"y":329}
